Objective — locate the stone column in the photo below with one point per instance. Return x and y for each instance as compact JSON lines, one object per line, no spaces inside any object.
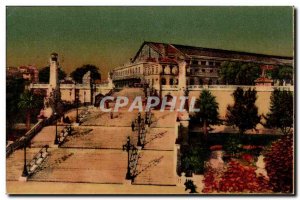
{"x":182,"y":77}
{"x":53,"y":80}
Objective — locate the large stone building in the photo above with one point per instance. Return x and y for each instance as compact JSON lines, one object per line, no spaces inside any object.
{"x":157,"y":64}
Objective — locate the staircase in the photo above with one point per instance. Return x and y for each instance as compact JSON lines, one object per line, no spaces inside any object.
{"x":93,"y":153}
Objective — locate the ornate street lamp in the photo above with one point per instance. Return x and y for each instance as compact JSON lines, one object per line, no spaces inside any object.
{"x":56,"y":136}
{"x":25,"y":171}
{"x":127,"y":147}
{"x":139,"y":120}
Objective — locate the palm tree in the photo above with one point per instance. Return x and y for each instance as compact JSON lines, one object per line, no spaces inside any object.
{"x":209,"y":110}
{"x":28,"y":102}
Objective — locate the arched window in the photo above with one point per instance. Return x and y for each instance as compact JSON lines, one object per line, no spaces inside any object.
{"x":163,"y":81}
{"x":171,"y":81}
{"x":200,"y":82}
{"x":192,"y":82}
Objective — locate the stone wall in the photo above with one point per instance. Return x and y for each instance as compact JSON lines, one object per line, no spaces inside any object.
{"x":223,"y":94}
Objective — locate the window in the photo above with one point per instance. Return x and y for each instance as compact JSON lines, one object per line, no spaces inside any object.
{"x":194,"y":62}
{"x":203,"y":62}
{"x":211,"y":71}
{"x":210,"y":63}
{"x":192,"y":82}
{"x":163,"y":81}
{"x":203,"y":70}
{"x":171,"y":81}
{"x":218,"y":64}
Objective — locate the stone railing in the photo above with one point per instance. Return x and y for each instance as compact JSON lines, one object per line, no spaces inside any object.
{"x":233,"y":87}
{"x":137,"y":76}
{"x":39,"y":86}
{"x":169,"y":87}
{"x":197,"y":179}
{"x":37,"y":160}
{"x":28,"y":135}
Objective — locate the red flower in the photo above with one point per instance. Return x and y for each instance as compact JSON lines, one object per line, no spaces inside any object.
{"x":216,"y":147}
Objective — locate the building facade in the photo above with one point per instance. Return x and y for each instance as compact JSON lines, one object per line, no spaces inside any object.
{"x":158,"y":65}
{"x":29,"y":73}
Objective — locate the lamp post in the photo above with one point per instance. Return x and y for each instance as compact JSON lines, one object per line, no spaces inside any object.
{"x":127,"y":147}
{"x":56,"y":136}
{"x":139,"y":120}
{"x":70,"y":95}
{"x":25,"y":171}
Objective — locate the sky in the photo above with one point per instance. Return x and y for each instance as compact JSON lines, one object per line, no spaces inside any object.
{"x":109,"y":36}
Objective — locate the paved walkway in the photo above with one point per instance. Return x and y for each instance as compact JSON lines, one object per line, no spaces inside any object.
{"x":32,"y":187}
{"x":93,"y":153}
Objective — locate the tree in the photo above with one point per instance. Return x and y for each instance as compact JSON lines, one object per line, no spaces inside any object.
{"x":229,"y":71}
{"x":29,"y":102}
{"x":208,"y":114}
{"x":244,"y":113}
{"x":78,"y":73}
{"x":14,"y":87}
{"x":282,"y":73}
{"x":238,"y":73}
{"x":281,"y":111}
{"x":247,"y":74}
{"x":44,"y":74}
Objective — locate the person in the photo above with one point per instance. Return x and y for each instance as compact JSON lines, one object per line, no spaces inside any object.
{"x":111,"y":115}
{"x":132,"y":125}
{"x":139,"y":118}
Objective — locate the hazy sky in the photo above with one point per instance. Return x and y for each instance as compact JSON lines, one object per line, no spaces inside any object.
{"x":110,"y":36}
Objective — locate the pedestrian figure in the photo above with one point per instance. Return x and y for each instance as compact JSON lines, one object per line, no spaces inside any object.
{"x":132,"y":125}
{"x":139,"y":118}
{"x":111,"y":115}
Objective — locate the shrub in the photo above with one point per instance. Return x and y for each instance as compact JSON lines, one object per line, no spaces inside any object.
{"x":193,"y":158}
{"x":236,"y":178}
{"x":279,"y":164}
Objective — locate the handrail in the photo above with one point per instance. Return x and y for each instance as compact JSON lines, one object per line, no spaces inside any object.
{"x":28,"y":135}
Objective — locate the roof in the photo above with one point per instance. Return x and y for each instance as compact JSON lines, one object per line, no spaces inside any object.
{"x":193,"y":52}
{"x":263,"y":80}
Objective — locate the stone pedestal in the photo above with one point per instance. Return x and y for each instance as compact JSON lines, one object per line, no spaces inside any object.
{"x":139,"y":148}
{"x":75,"y":124}
{"x":22,"y":179}
{"x":54,"y":146}
{"x":127,"y":182}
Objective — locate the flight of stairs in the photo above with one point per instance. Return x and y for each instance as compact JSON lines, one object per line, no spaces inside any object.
{"x":93,"y":152}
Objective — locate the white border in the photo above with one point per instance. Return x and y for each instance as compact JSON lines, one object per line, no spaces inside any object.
{"x":5,"y":3}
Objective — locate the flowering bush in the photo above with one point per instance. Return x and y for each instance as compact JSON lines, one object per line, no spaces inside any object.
{"x":235,"y":178}
{"x":247,"y":157}
{"x":216,"y":148}
{"x":279,"y":164}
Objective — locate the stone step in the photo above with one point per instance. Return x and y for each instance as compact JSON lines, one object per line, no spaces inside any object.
{"x":83,"y":165}
{"x":155,"y":168}
{"x":157,"y":139}
{"x":97,"y":137}
{"x":15,"y":162}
